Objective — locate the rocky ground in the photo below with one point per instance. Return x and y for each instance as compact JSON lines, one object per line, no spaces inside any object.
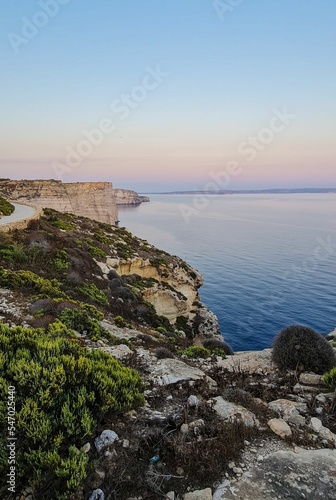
{"x":215,"y":428}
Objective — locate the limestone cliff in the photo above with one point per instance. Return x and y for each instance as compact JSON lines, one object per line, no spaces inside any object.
{"x":95,"y":200}
{"x":128,"y":197}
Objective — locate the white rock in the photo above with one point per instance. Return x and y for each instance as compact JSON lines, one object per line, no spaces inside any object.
{"x":232,"y":412}
{"x":286,"y":409}
{"x":106,"y":438}
{"x":279,"y":427}
{"x":310,"y":379}
{"x":315,"y":424}
{"x":119,"y":351}
{"x":221,"y":490}
{"x":328,"y":435}
{"x":184,"y":429}
{"x":199,"y":495}
{"x":193,"y":401}
{"x":97,"y":495}
{"x":171,"y":371}
{"x":86,"y":448}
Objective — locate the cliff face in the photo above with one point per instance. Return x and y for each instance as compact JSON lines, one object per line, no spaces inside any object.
{"x":128,"y":197}
{"x":89,"y":199}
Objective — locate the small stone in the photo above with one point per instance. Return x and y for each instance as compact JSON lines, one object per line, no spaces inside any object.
{"x":126,"y":443}
{"x":86,"y":448}
{"x":184,"y":429}
{"x":321,"y":398}
{"x":315,"y":424}
{"x":279,"y":427}
{"x":97,"y":495}
{"x":170,"y":495}
{"x":237,"y":470}
{"x":193,"y":401}
{"x":310,"y":379}
{"x":196,"y":425}
{"x":106,"y":438}
{"x":297,"y":420}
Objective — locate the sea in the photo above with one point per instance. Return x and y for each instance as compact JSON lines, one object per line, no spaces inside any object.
{"x":268,"y":260}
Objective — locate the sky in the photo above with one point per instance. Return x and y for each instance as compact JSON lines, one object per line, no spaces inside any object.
{"x":171,"y":94}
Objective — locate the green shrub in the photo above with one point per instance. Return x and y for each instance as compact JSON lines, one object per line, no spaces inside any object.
{"x":80,"y":320}
{"x":6,"y":208}
{"x":300,"y":347}
{"x":329,"y":379}
{"x":63,"y":392}
{"x":13,"y":253}
{"x":217,"y":345}
{"x":61,"y":224}
{"x":93,"y":293}
{"x":27,"y":280}
{"x":98,"y":253}
{"x":60,"y":262}
{"x":195,"y":351}
{"x":121,"y":322}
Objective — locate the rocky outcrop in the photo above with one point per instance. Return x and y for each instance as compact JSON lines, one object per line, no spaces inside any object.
{"x":173,"y":292}
{"x":128,"y":197}
{"x":286,"y":474}
{"x":89,"y":199}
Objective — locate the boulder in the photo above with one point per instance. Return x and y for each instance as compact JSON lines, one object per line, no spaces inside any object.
{"x":232,"y":412}
{"x":287,"y":409}
{"x":171,"y":371}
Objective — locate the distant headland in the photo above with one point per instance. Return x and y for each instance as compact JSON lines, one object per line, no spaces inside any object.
{"x":252,"y":191}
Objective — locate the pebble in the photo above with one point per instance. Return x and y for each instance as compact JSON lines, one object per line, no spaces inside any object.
{"x":237,"y":470}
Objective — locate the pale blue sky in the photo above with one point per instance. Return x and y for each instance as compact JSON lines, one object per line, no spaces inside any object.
{"x":226,"y":76}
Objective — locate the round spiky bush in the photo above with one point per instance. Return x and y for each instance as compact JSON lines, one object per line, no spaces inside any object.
{"x":163,"y":352}
{"x":214,"y":344}
{"x":300,"y":347}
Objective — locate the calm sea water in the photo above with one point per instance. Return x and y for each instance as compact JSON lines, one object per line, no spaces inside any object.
{"x":268,"y":261}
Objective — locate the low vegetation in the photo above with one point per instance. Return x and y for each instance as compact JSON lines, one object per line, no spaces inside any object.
{"x":301,"y":348}
{"x":6,"y":208}
{"x":329,"y":379}
{"x":63,"y":392}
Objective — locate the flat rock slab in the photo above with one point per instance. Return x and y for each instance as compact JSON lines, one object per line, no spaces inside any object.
{"x":232,"y":412}
{"x":171,"y":371}
{"x":199,"y":495}
{"x":286,"y":475}
{"x":310,"y":379}
{"x":250,"y":361}
{"x":121,"y":333}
